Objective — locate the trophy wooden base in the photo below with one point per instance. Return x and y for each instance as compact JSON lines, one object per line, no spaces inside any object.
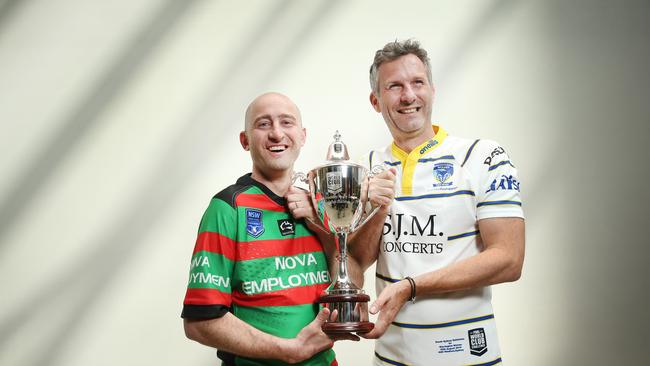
{"x":348,"y":327}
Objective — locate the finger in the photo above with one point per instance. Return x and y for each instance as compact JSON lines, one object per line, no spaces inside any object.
{"x":334,"y":315}
{"x":373,"y":334}
{"x":345,"y":337}
{"x":379,"y":303}
{"x":322,"y":316}
{"x":294,"y":189}
{"x":380,"y":328}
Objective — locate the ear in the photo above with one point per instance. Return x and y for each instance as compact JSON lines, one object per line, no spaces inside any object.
{"x":243,"y":140}
{"x":304,"y":137}
{"x":375,"y":102}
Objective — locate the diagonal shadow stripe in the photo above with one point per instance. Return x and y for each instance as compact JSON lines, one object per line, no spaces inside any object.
{"x":488,"y":20}
{"x":86,"y":116}
{"x":184,"y":160}
{"x":7,"y":9}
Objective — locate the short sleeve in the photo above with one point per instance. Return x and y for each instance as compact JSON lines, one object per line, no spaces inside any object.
{"x":498,"y":183}
{"x":209,"y":287}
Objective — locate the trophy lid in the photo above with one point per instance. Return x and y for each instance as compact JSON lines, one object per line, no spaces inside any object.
{"x":337,"y":150}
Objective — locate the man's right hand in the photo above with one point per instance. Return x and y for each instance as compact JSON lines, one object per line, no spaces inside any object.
{"x":381,"y":188}
{"x":310,"y":340}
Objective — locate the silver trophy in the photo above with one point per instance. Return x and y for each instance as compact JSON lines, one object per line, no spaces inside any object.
{"x":335,"y":189}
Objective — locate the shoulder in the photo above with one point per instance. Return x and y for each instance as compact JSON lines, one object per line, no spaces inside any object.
{"x":229,"y":194}
{"x":491,"y":154}
{"x":480,"y":154}
{"x":376,"y":157}
{"x":462,"y":149}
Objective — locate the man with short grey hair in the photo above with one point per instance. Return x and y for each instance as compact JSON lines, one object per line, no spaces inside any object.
{"x":450,"y":225}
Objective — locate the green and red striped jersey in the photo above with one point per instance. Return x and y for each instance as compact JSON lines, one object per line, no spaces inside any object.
{"x":254,"y":260}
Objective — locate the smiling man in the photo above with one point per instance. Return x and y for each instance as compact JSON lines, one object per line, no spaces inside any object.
{"x":450,"y":225}
{"x":257,"y":270}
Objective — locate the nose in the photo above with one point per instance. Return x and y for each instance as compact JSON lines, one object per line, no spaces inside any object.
{"x":408,"y":95}
{"x":276,"y":133}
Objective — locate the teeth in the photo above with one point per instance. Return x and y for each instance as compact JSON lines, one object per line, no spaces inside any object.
{"x":276,"y":148}
{"x":410,"y":110}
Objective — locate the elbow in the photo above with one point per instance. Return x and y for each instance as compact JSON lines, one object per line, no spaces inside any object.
{"x":191,"y":331}
{"x":515,"y":274}
{"x":513,"y":271}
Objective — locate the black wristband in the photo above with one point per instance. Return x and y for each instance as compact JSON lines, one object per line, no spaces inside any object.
{"x":412,"y":282}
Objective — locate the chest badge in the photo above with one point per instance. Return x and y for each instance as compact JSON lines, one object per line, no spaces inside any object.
{"x":442,"y":172}
{"x":286,"y":227}
{"x":254,"y":224}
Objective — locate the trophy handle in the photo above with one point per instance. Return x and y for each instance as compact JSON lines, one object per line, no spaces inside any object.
{"x":304,"y":178}
{"x":377,"y":169}
{"x":299,"y":176}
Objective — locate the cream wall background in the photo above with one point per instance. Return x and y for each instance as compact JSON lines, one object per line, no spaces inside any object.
{"x":119,"y":121}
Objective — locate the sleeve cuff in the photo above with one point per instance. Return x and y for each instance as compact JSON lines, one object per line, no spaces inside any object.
{"x":204,"y":311}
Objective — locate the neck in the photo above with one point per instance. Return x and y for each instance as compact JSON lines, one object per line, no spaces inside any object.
{"x":277,"y":181}
{"x":408,"y":143}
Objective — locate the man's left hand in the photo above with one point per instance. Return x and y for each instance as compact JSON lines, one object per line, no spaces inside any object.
{"x":388,"y":304}
{"x":299,"y":203}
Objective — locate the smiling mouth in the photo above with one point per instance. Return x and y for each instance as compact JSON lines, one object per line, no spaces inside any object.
{"x":277,"y":148}
{"x":409,"y":110}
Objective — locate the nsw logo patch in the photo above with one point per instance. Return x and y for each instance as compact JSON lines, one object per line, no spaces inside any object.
{"x":254,"y":225}
{"x":286,"y":227}
{"x":477,"y":341}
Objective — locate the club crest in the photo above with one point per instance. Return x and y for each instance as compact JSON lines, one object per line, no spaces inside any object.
{"x":442,"y":172}
{"x":254,"y":225}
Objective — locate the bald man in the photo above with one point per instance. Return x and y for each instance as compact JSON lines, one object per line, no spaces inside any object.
{"x":257,"y":270}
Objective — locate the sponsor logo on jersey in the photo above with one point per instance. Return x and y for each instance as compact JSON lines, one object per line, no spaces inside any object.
{"x":334,"y":182}
{"x":428,"y":146}
{"x":477,"y":341}
{"x":254,"y":225}
{"x":498,"y":151}
{"x":505,"y":182}
{"x":442,"y":172}
{"x":286,"y":227}
{"x":425,"y":239}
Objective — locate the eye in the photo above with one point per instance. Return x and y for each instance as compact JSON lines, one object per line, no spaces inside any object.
{"x":263,"y":123}
{"x":393,"y":86}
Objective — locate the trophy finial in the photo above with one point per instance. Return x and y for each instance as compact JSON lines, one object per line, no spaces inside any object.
{"x":337,"y":150}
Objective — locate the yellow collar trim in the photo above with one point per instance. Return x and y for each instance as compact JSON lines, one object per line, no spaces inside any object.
{"x":410,"y":160}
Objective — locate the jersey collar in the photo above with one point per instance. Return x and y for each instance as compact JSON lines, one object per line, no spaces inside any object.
{"x":247,"y":180}
{"x":410,"y":160}
{"x":421,"y":150}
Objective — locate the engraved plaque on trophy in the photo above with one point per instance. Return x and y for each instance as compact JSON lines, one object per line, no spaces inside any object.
{"x":335,"y":189}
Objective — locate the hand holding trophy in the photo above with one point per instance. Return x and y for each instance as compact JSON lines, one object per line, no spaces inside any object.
{"x":335,"y":189}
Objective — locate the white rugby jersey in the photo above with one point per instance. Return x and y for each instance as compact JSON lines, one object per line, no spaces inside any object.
{"x":444,"y":186}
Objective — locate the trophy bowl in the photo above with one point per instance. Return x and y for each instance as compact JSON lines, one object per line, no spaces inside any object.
{"x":335,"y":188}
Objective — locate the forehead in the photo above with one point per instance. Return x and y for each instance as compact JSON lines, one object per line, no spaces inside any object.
{"x":273,"y":106}
{"x":405,"y":67}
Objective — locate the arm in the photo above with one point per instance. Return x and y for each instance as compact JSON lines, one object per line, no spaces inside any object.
{"x":364,"y":242}
{"x":500,"y":261}
{"x":233,"y":335}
